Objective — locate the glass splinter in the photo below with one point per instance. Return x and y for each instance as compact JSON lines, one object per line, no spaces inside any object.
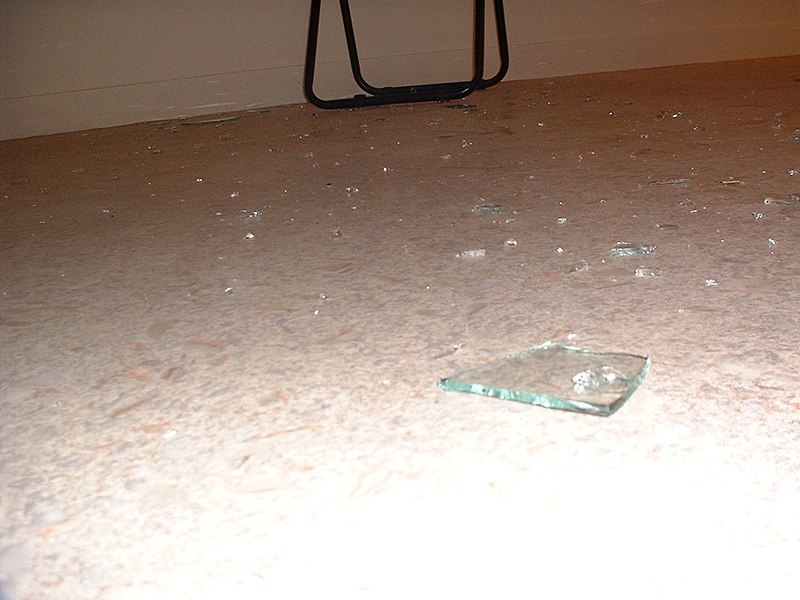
{"x":557,"y":376}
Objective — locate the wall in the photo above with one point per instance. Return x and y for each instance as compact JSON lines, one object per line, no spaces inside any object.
{"x":96,"y":63}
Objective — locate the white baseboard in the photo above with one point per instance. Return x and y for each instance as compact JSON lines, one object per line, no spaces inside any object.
{"x":118,"y":105}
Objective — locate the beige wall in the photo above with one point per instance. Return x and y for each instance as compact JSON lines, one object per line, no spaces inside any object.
{"x":70,"y":65}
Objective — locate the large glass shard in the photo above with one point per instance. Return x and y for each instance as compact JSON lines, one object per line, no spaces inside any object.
{"x":557,"y":376}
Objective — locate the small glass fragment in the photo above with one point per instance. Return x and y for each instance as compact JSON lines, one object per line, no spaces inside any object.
{"x":579,"y":266}
{"x":337,"y":233}
{"x":730,"y":182}
{"x":561,"y":220}
{"x":472,"y":253}
{"x":758,"y":216}
{"x":487,"y":209}
{"x":793,"y":172}
{"x":710,"y":281}
{"x":647,"y":272}
{"x":629,"y":249}
{"x":351,"y":190}
{"x":793,"y":199}
{"x":464,"y":107}
{"x":676,"y":181}
{"x":250,"y":236}
{"x":557,"y":376}
{"x":252,"y":215}
{"x":511,"y":242}
{"x":667,"y":226}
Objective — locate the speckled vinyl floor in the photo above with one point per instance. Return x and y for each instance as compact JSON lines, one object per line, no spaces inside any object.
{"x":221,"y":343}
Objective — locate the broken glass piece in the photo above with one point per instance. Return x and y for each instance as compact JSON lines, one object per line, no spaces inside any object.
{"x":464,"y":107}
{"x":487,"y":209}
{"x":252,"y":215}
{"x":647,"y":272}
{"x":557,"y":376}
{"x":579,"y":266}
{"x":476,"y":253}
{"x":629,"y":249}
{"x":793,"y":199}
{"x":676,"y":181}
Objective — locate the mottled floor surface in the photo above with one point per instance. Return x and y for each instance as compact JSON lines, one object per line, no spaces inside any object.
{"x":221,"y":345}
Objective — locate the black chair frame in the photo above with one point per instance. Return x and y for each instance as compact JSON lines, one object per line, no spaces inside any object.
{"x":427,"y":92}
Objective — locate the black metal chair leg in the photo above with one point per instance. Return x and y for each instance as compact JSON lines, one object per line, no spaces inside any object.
{"x":411,"y":93}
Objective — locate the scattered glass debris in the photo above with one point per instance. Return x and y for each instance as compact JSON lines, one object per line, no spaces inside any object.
{"x":234,"y":194}
{"x":337,"y":232}
{"x":228,"y":290}
{"x":758,"y":216}
{"x":629,"y":249}
{"x":351,"y":190}
{"x":473,"y":253}
{"x":250,"y":236}
{"x":511,"y":242}
{"x":666,"y":226}
{"x":579,"y":266}
{"x":199,"y":180}
{"x":464,"y":107}
{"x":677,"y":181}
{"x":557,"y":376}
{"x":670,"y":114}
{"x":687,"y":203}
{"x":793,"y":199}
{"x":710,"y":281}
{"x":487,"y":209}
{"x":561,"y":220}
{"x":647,"y":272}
{"x":446,"y":156}
{"x":252,"y":215}
{"x":793,"y":172}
